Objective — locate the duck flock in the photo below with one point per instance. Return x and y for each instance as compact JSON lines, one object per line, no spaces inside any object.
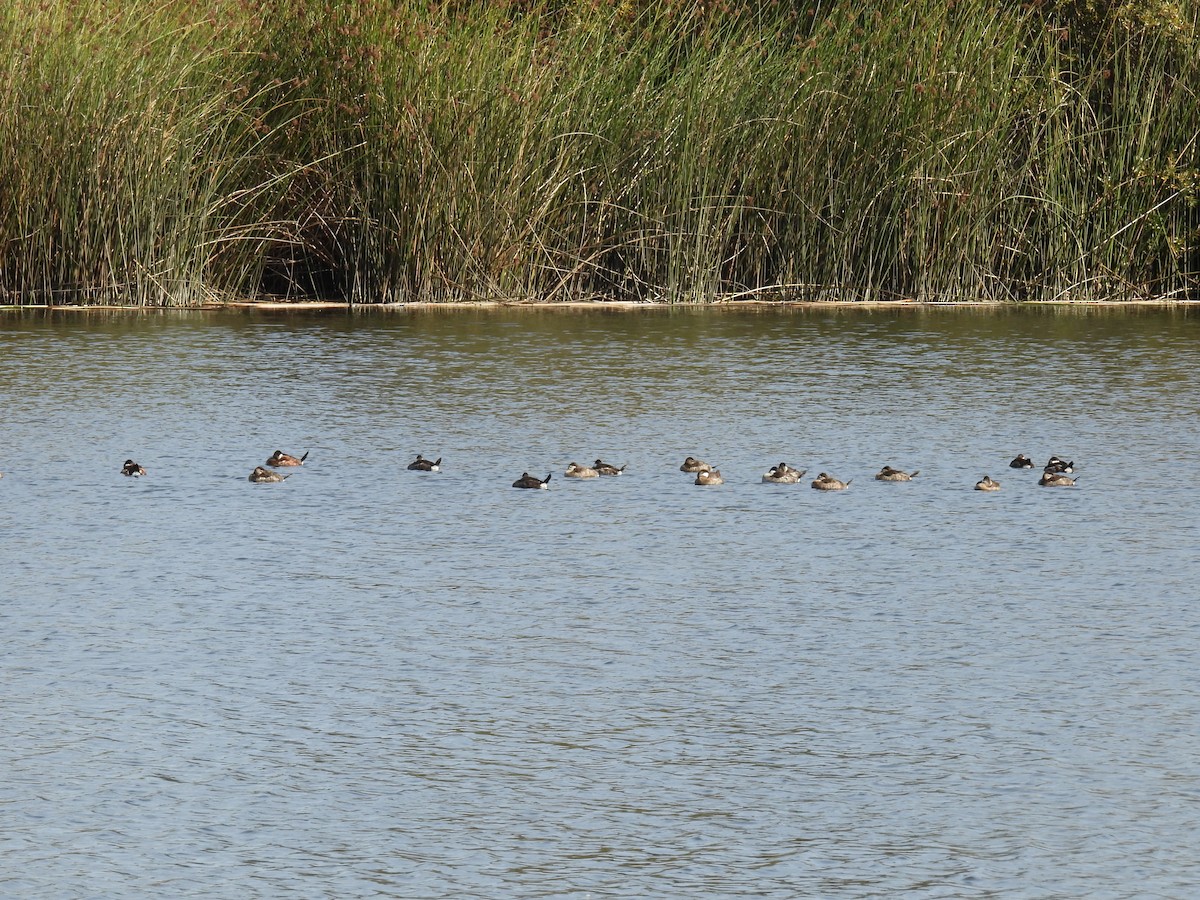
{"x":1056,"y":473}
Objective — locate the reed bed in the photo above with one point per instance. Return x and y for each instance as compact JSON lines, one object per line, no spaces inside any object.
{"x":183,"y":152}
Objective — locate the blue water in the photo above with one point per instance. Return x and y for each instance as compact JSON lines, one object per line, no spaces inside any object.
{"x":370,"y":682}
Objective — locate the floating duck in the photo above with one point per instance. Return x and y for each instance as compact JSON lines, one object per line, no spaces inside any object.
{"x":709,"y":476}
{"x":266,"y":476}
{"x":825,"y":482}
{"x":1056,"y":479}
{"x":528,"y":481}
{"x":132,"y":469}
{"x":1021,"y":462}
{"x":1059,"y":466}
{"x":421,"y":464}
{"x":691,"y":464}
{"x":605,"y":469}
{"x":279,"y":459}
{"x":574,"y":470}
{"x":782,"y":474}
{"x":887,"y":473}
{"x":987,"y":484}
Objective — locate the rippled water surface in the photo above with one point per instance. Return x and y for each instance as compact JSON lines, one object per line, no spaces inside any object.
{"x":373,"y":682}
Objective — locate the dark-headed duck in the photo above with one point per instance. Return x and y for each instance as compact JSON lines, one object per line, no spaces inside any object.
{"x":132,"y":469}
{"x":782,"y":474}
{"x":528,"y":481}
{"x":709,"y":476}
{"x":279,"y":459}
{"x":1021,"y":462}
{"x":1058,"y":466}
{"x":607,"y":469}
{"x":691,"y":464}
{"x":421,"y":464}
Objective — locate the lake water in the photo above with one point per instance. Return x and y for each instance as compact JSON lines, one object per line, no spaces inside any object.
{"x":370,"y":682}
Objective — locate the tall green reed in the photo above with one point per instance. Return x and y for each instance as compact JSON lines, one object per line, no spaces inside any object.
{"x":401,"y":150}
{"x":132,"y":154}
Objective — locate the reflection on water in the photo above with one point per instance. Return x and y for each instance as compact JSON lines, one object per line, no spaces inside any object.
{"x":374,"y":682}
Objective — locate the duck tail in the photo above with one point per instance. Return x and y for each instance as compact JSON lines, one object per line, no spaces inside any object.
{"x":438,"y":461}
{"x":915,"y":474}
{"x":547,"y":479}
{"x":305,"y":456}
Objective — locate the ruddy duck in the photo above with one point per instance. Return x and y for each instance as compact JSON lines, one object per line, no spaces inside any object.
{"x":1058,"y":466}
{"x":132,"y":469}
{"x":279,"y":458}
{"x":1021,"y":462}
{"x":1056,"y":479}
{"x":574,"y":470}
{"x":987,"y":484}
{"x":421,"y":464}
{"x":783,"y":474}
{"x":606,"y":469}
{"x":887,"y":473}
{"x":266,"y":476}
{"x":691,"y":464}
{"x":825,"y":482}
{"x":528,"y":481}
{"x":709,"y":476}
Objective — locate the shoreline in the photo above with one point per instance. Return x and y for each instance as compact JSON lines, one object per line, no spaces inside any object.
{"x":625,"y":305}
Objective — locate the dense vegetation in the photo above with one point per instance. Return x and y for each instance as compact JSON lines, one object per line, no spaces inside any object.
{"x":192,"y":150}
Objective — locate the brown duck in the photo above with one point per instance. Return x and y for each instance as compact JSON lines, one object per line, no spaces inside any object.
{"x":825,"y":482}
{"x":887,"y":473}
{"x":266,"y":476}
{"x":280,"y":459}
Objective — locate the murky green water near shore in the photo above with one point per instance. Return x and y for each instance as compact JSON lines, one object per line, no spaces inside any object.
{"x":373,"y":682}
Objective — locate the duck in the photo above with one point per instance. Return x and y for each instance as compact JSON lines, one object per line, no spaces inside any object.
{"x":783,"y":474}
{"x":606,"y":469}
{"x":528,"y":481}
{"x":132,"y":469}
{"x":709,"y":476}
{"x":987,"y":484}
{"x":574,"y":470}
{"x":825,"y":482}
{"x":1056,"y":479}
{"x":266,"y":476}
{"x":691,"y":464}
{"x":421,"y":464}
{"x":1021,"y":462}
{"x":1059,"y":466}
{"x":279,"y":458}
{"x":887,"y":473}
